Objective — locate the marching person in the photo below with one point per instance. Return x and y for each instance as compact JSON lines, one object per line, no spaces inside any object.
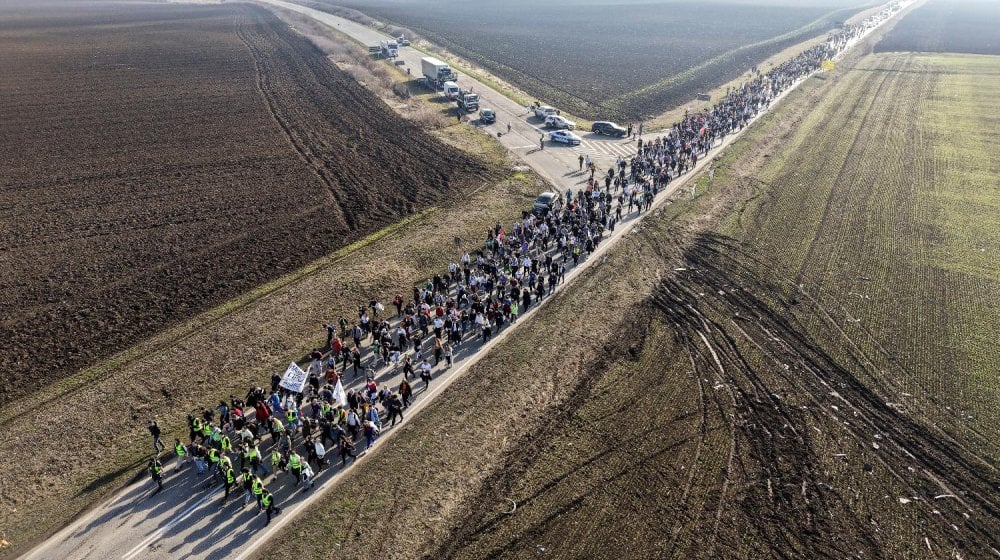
{"x":156,"y":473}
{"x":267,"y":502}
{"x":182,"y":454}
{"x":229,"y":480}
{"x":295,"y":466}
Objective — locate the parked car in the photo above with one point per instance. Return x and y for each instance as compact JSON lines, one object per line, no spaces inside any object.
{"x":544,"y":203}
{"x":403,"y":41}
{"x":542,"y":111}
{"x":565,"y":136}
{"x":609,"y":128}
{"x":558,"y":121}
{"x":487,"y":116}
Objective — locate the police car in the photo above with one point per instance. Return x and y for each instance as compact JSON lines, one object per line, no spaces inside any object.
{"x":565,"y":136}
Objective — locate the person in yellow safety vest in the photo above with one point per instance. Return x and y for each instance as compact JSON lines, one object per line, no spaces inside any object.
{"x":258,"y":489}
{"x":181,"y":452}
{"x":229,"y":480}
{"x":267,"y":501}
{"x":295,"y":466}
{"x":226,"y":444}
{"x":156,"y":473}
{"x":255,"y":460}
{"x":225,"y":462}
{"x":292,"y":415}
{"x":276,"y":429}
{"x":206,"y":431}
{"x":213,"y":459}
{"x":276,"y":460}
{"x":196,"y":426}
{"x":247,"y":480}
{"x":216,"y":436}
{"x":325,"y":409}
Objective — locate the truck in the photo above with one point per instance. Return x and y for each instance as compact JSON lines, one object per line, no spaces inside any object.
{"x":468,"y":101}
{"x":436,"y":72}
{"x":390,"y":48}
{"x":450,"y":90}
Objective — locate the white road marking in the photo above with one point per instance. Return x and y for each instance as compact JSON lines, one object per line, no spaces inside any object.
{"x":159,"y":532}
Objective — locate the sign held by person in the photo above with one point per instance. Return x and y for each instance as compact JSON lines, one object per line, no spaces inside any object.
{"x":294,"y":378}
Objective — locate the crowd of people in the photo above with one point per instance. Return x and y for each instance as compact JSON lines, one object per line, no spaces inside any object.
{"x":276,"y":436}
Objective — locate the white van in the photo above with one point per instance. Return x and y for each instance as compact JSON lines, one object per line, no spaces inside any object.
{"x":451,"y":90}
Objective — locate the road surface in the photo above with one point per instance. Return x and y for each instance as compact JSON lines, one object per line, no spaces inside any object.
{"x":187,"y":519}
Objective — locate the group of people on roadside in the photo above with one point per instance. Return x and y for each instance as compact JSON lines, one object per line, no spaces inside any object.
{"x":248,"y":443}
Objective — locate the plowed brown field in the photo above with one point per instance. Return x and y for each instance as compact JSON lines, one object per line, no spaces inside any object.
{"x":158,"y":159}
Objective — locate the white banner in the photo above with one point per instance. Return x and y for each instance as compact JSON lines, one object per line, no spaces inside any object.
{"x":339,"y":395}
{"x":294,"y":378}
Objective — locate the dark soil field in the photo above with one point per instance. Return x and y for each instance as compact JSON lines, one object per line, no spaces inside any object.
{"x":959,"y":26}
{"x":609,"y":58}
{"x":159,"y":159}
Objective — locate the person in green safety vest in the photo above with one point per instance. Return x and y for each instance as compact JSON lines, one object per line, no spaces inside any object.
{"x":257,"y":487}
{"x":225,"y":462}
{"x":196,"y":426}
{"x":246,"y":479}
{"x":267,"y":502}
{"x":295,"y":466}
{"x":277,"y":460}
{"x":226,"y":444}
{"x":182,"y":453}
{"x":253,"y":453}
{"x":213,"y":461}
{"x":228,"y":480}
{"x":156,"y":473}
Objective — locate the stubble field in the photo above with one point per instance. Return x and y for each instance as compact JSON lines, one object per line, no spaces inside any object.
{"x":612,"y":59}
{"x":188,"y":156}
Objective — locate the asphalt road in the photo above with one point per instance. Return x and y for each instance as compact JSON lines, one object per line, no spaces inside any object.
{"x":557,"y":162}
{"x":187,"y":519}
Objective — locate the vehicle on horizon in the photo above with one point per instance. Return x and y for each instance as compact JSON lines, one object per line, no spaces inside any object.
{"x":544,"y":203}
{"x":487,"y":116}
{"x":566,"y":137}
{"x":559,"y":121}
{"x":609,"y":128}
{"x":450,"y":90}
{"x":436,"y":72}
{"x":543,"y":111}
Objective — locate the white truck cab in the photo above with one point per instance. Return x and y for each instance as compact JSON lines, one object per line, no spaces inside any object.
{"x":451,"y":90}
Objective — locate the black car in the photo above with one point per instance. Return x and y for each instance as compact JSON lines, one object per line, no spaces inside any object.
{"x":544,"y":203}
{"x":609,"y":128}
{"x":487,"y":116}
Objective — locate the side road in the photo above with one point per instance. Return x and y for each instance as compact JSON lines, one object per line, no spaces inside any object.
{"x":185,"y":519}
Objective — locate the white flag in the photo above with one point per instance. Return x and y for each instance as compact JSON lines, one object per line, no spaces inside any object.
{"x":339,"y":395}
{"x":294,"y":378}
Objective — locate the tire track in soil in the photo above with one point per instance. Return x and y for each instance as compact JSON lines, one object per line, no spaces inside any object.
{"x":845,"y":169}
{"x":315,"y":165}
{"x":923,"y":460}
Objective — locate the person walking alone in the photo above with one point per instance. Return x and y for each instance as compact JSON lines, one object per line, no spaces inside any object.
{"x":154,"y":430}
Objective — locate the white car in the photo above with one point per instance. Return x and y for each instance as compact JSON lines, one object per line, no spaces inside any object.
{"x":542,"y":111}
{"x":565,"y":136}
{"x":558,"y":121}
